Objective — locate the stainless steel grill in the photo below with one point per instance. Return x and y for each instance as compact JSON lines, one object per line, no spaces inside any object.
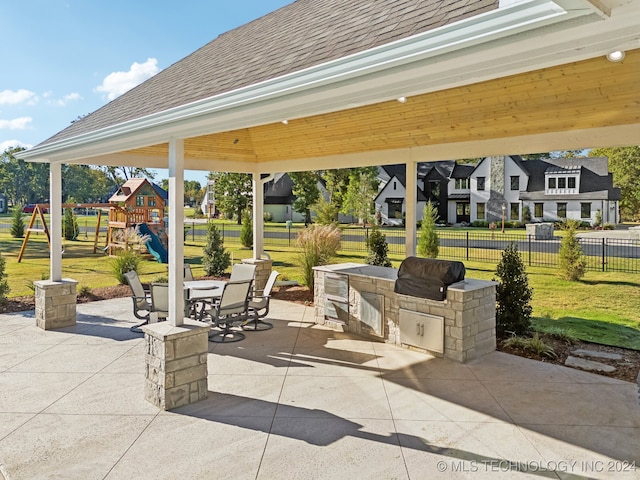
{"x":428,"y":277}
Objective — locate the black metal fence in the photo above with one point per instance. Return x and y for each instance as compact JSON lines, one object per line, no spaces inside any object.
{"x":601,"y":254}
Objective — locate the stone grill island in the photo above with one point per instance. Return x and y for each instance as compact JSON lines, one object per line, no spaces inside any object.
{"x":361,"y":299}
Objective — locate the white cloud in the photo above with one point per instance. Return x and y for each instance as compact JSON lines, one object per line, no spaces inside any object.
{"x":61,"y":102}
{"x":13,"y":97}
{"x":117,"y":83}
{"x":7,"y":144}
{"x":15,"y":124}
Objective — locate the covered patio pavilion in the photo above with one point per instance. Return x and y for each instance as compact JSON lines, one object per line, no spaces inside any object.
{"x":337,"y":84}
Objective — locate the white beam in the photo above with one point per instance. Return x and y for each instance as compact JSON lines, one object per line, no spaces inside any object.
{"x":411,"y":202}
{"x":176,"y":232}
{"x":55,"y":221}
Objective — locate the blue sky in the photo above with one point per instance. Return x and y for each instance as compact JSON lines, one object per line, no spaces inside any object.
{"x":65,"y":58}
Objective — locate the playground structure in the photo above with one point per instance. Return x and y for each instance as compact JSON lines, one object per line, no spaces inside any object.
{"x":38,"y":213}
{"x":137,"y":203}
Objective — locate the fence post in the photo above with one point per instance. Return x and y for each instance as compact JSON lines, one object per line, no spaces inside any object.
{"x":193,"y":232}
{"x":529,"y":241}
{"x":467,"y":246}
{"x":604,"y":242}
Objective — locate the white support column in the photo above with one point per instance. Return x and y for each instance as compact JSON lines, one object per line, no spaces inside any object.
{"x":176,"y":232}
{"x":55,"y":221}
{"x":411,"y":202}
{"x":258,"y":216}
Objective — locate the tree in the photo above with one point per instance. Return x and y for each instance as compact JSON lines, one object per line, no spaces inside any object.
{"x":571,"y":260}
{"x":326,"y":213}
{"x":361,"y":192}
{"x":513,"y":295}
{"x":215,"y":258}
{"x":233,"y":193}
{"x":305,"y":189}
{"x":428,"y":242}
{"x":336,"y":183}
{"x":246,"y":233}
{"x":193,"y":192}
{"x":119,"y":175}
{"x":17,"y":222}
{"x":23,"y":182}
{"x":378,"y":248}
{"x":84,"y":184}
{"x":624,"y":164}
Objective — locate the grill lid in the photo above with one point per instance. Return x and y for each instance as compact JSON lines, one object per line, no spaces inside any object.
{"x":428,"y":277}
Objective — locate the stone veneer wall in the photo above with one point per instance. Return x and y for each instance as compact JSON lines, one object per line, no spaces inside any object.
{"x":55,"y":303}
{"x":263,"y":270}
{"x":176,"y":363}
{"x":469,"y":313}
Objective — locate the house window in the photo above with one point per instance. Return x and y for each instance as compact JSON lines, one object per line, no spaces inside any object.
{"x":561,"y":210}
{"x":139,"y":201}
{"x":394,"y":185}
{"x":571,"y":181}
{"x":434,"y":193}
{"x":585,"y":210}
{"x":538,"y":210}
{"x":152,"y":201}
{"x":515,"y":182}
{"x":462,"y":183}
{"x":552,"y":183}
{"x":562,"y":182}
{"x":480,"y":211}
{"x":515,"y":211}
{"x":480,"y":184}
{"x":394,"y":207}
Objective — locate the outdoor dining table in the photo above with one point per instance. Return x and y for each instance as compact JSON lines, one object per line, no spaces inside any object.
{"x":196,"y":290}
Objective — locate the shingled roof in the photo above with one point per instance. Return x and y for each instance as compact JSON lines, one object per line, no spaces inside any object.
{"x":298,"y":36}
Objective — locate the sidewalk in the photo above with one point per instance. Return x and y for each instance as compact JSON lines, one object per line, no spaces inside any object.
{"x":300,"y":402}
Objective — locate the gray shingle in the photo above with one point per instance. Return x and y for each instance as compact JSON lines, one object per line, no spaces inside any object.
{"x":297,"y":36}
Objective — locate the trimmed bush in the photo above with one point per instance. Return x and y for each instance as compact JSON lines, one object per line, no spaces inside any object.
{"x":17,"y":222}
{"x":378,"y":248}
{"x":513,"y":295}
{"x":571,"y":262}
{"x":429,"y":243}
{"x":70,"y":225}
{"x":215,"y":258}
{"x":246,"y":234}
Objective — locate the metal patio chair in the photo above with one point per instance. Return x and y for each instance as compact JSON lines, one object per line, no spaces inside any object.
{"x":231,"y":311}
{"x":259,"y":306}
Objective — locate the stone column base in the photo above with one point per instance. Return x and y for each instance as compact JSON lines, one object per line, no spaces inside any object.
{"x":263,"y":270}
{"x":176,"y":363}
{"x":55,"y":303}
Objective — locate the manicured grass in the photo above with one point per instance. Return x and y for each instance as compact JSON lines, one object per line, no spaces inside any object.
{"x":601,"y":308}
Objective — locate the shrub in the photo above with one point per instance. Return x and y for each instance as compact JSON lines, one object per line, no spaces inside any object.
{"x":535,"y":345}
{"x":246,"y":234}
{"x":318,"y":245}
{"x":513,"y":295}
{"x":123,"y":262}
{"x":480,"y":224}
{"x":428,"y":243}
{"x":598,"y":220}
{"x":69,"y":225}
{"x":17,"y":222}
{"x":215,"y":258}
{"x":267,"y":216}
{"x":4,"y":284}
{"x":608,"y":226}
{"x":571,"y":261}
{"x":378,"y":248}
{"x":526,"y":214}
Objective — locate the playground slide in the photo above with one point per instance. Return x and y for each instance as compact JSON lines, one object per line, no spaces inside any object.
{"x":154,"y":245}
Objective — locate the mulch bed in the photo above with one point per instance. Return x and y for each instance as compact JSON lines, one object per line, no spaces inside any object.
{"x":626,"y":369}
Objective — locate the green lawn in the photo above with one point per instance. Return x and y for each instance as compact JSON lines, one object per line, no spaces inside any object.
{"x":603,"y":307}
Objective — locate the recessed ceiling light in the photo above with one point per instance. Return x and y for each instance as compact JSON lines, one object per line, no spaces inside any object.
{"x":615,"y":56}
{"x":402,"y":99}
{"x":285,"y":122}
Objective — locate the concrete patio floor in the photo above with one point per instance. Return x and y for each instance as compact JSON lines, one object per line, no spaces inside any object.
{"x":300,"y":402}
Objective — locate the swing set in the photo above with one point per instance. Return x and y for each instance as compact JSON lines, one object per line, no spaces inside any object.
{"x":38,"y":213}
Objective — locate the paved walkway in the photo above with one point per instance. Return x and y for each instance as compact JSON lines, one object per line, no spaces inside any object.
{"x":300,"y":402}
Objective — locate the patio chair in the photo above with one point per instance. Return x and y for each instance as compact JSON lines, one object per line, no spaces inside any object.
{"x":259,"y":306}
{"x":242,"y":271}
{"x":141,"y":300}
{"x":188,"y":273}
{"x":231,"y":311}
{"x":160,"y":300}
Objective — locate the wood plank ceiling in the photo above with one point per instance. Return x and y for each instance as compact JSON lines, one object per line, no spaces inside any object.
{"x":589,"y":94}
